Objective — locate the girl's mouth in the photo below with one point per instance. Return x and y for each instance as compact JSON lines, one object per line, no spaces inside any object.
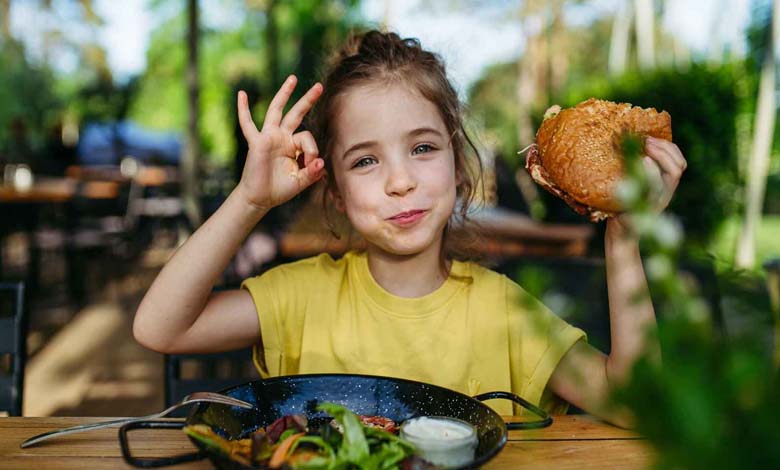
{"x":408,"y":217}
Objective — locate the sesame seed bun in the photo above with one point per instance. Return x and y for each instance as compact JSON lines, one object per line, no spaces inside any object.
{"x":578,"y":154}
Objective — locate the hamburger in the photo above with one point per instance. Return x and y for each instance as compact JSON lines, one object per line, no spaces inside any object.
{"x":578,"y":152}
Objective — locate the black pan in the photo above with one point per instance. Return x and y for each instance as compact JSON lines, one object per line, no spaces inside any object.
{"x":396,"y":399}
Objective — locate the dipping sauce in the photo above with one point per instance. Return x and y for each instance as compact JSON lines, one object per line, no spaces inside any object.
{"x":442,"y":441}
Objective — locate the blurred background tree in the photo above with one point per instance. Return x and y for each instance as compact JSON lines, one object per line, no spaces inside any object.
{"x":27,"y":99}
{"x":36,"y":102}
{"x":768,"y":35}
{"x":266,"y":46}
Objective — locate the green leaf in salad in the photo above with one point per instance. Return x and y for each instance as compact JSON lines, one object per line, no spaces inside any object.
{"x":331,"y":435}
{"x":317,"y":463}
{"x":354,"y":447}
{"x":317,"y":441}
{"x":380,"y":435}
{"x":287,"y":433}
{"x":386,"y":457}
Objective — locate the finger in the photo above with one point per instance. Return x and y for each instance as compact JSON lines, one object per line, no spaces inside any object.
{"x":304,"y":141}
{"x":295,"y":116}
{"x":663,"y":184}
{"x":665,"y":160}
{"x":675,"y":153}
{"x":310,"y":173}
{"x":273,"y":117}
{"x":248,"y":127}
{"x":669,"y":148}
{"x":653,"y":173}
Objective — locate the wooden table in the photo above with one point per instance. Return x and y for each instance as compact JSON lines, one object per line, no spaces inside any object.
{"x":147,"y":176}
{"x":47,"y":198}
{"x":58,"y":190}
{"x":42,"y":190}
{"x":572,"y":442}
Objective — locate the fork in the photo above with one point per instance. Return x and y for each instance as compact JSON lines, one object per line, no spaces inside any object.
{"x":196,"y":397}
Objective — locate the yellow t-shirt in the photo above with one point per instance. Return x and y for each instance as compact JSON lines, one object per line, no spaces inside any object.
{"x":478,"y":332}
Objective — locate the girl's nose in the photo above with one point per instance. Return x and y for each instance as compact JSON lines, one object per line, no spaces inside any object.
{"x":400,"y":180}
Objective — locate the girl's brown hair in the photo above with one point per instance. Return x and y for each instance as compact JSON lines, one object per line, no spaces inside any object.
{"x":376,"y":57}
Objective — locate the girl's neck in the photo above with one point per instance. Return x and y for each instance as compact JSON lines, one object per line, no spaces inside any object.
{"x":407,"y":276}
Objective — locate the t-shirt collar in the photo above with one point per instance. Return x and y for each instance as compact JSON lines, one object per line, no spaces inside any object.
{"x":404,"y":306}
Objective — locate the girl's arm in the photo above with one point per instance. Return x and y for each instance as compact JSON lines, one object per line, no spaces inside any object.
{"x":585,"y":376}
{"x":178,"y":313}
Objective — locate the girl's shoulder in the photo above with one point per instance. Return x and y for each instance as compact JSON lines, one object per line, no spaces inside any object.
{"x":323,"y":265}
{"x":296,"y":279}
{"x":477,"y":273}
{"x":487,"y":281}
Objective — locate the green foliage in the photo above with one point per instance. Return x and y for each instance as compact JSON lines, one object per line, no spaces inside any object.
{"x":767,"y":241}
{"x":26,"y":94}
{"x":713,"y":404}
{"x":161,"y":101}
{"x":713,"y":401}
{"x":772,"y":198}
{"x":493,"y":98}
{"x":759,"y":32}
{"x":242,"y":57}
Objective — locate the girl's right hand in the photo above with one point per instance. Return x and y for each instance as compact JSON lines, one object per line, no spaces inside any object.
{"x":271,"y":175}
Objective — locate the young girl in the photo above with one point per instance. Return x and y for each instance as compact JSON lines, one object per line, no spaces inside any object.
{"x":387,"y":137}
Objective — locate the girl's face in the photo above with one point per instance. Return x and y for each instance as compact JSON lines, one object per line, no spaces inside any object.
{"x":394,"y":168}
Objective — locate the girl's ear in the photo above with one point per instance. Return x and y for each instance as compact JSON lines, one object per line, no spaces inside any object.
{"x":335,"y":196}
{"x":460,"y":178}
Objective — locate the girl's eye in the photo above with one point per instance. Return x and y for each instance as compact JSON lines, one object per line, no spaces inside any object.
{"x":422,"y":148}
{"x":364,"y":161}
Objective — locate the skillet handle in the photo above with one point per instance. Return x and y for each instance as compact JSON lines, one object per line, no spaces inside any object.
{"x":153,"y":462}
{"x":545,"y":420}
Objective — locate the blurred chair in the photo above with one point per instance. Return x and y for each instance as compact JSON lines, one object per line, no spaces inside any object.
{"x":99,"y":223}
{"x":578,"y":286}
{"x":13,"y":349}
{"x":187,"y":373}
{"x":159,"y":210}
{"x":101,"y":218}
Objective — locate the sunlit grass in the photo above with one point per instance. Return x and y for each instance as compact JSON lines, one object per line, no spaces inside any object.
{"x":767,"y":241}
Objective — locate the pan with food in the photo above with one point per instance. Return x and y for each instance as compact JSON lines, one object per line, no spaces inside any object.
{"x":343,"y":421}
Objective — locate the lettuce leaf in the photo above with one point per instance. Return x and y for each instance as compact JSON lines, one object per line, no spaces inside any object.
{"x":354,"y":447}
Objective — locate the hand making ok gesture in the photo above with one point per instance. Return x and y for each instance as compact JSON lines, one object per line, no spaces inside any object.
{"x":271,"y":175}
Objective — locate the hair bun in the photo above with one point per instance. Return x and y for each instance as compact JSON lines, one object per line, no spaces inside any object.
{"x":378,"y":44}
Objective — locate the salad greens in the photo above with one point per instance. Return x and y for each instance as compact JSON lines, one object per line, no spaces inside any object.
{"x":289,"y":443}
